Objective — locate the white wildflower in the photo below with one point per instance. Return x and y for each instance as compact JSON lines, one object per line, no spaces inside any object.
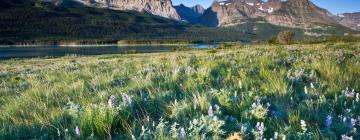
{"x":303,"y":126}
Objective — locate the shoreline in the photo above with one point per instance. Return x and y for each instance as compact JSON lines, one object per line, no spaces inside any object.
{"x":92,"y":45}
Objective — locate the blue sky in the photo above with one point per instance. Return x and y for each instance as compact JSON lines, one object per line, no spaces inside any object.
{"x":334,"y":6}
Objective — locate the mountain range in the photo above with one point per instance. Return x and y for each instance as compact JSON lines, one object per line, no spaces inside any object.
{"x":290,"y":13}
{"x":161,"y":19}
{"x":351,"y":20}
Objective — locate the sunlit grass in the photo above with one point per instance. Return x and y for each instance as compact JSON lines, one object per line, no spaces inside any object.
{"x":253,"y":91}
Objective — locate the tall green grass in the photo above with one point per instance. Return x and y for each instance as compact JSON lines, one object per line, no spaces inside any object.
{"x":257,"y":92}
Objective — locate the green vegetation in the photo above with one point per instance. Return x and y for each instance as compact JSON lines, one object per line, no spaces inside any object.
{"x":263,"y":91}
{"x":286,"y":37}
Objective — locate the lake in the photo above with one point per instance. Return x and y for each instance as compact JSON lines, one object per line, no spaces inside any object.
{"x":54,"y":51}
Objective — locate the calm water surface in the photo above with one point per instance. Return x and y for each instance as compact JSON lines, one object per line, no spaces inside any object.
{"x":52,"y":51}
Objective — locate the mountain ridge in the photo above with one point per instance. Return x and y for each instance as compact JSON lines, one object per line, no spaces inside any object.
{"x":290,"y":13}
{"x":351,"y":20}
{"x":163,"y":8}
{"x":34,"y":21}
{"x":189,"y":14}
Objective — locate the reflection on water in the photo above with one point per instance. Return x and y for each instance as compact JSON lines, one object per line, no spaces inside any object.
{"x":52,"y":51}
{"x":202,"y":46}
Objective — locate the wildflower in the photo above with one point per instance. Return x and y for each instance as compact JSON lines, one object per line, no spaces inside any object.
{"x":328,"y":121}
{"x":276,"y":135}
{"x":344,"y":118}
{"x":352,"y":123}
{"x":305,"y":90}
{"x":345,"y":137}
{"x":312,"y":85}
{"x":93,"y":105}
{"x":174,"y":131}
{"x":244,"y":128}
{"x":259,"y":130}
{"x":240,"y":84}
{"x":210,"y":111}
{"x":235,"y":136}
{"x":182,"y":133}
{"x":77,"y":131}
{"x":217,"y":107}
{"x":348,"y":93}
{"x":78,"y":107}
{"x":268,"y":105}
{"x":259,"y":110}
{"x":303,"y":125}
{"x":260,"y":127}
{"x":126,"y":99}
{"x":111,"y":101}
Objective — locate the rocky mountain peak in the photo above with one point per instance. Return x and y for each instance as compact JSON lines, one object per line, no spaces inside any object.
{"x":198,"y":9}
{"x":304,"y":4}
{"x":291,"y":13}
{"x":351,"y":20}
{"x":300,"y":13}
{"x":162,"y":8}
{"x":189,"y":14}
{"x":231,"y":12}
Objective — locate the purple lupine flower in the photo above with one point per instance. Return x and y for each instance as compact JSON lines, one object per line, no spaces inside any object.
{"x":210,"y":111}
{"x":111,"y":101}
{"x":77,"y":131}
{"x":328,"y":121}
{"x":348,"y":93}
{"x":260,"y":127}
{"x":182,"y":133}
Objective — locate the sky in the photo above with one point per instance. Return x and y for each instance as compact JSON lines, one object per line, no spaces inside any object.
{"x":334,"y":6}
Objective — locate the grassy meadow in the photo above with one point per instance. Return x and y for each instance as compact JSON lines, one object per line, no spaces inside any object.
{"x":246,"y":92}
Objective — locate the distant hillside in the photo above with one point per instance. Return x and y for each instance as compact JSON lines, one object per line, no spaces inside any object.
{"x":351,"y":20}
{"x":35,"y":20}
